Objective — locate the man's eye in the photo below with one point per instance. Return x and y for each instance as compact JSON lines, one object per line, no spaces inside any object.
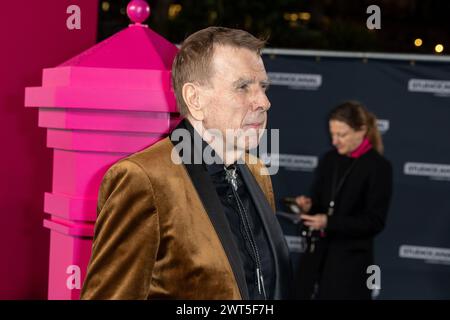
{"x":243,"y":87}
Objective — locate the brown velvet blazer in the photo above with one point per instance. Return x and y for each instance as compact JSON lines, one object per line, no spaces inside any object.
{"x":161,"y":232}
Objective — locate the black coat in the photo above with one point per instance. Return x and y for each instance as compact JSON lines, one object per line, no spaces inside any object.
{"x":339,"y":263}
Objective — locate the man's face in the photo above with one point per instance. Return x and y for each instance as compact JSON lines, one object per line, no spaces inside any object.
{"x":236,"y":95}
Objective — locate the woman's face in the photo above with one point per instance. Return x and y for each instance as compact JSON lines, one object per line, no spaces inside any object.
{"x":344,"y":138}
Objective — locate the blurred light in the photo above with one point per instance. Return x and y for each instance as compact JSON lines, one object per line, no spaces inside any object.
{"x":174,"y":10}
{"x":293,"y":17}
{"x":439,"y":48}
{"x":293,"y":24}
{"x":304,"y":16}
{"x":212,"y":16}
{"x":105,"y":6}
{"x":287,"y":16}
{"x":418,"y":42}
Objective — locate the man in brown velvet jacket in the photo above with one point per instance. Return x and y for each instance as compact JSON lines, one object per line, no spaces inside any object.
{"x":174,"y":225}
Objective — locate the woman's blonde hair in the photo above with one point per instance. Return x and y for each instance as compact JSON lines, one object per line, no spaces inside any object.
{"x":356,"y":116}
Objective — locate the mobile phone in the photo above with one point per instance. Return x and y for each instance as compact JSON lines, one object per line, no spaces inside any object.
{"x":291,"y":205}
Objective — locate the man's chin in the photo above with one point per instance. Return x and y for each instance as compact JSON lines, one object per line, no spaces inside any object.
{"x":250,"y":142}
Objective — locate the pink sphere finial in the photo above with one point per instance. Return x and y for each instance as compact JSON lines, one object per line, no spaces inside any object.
{"x":138,"y":11}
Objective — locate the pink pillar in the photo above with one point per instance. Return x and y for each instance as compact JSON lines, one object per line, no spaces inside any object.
{"x":108,"y":102}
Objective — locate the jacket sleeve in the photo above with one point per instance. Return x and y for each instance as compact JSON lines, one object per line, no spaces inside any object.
{"x":372,"y":220}
{"x":126,"y":236}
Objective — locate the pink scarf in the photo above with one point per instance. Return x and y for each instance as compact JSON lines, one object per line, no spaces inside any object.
{"x":363,"y":148}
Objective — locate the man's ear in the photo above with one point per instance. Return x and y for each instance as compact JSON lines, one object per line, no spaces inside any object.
{"x":191,"y":96}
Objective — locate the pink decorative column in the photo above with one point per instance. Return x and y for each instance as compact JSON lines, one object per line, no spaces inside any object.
{"x":109,"y":101}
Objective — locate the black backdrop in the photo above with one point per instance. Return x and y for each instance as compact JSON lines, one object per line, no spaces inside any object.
{"x":412,"y":101}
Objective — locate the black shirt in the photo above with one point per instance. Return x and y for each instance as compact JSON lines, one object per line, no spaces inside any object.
{"x":230,"y":206}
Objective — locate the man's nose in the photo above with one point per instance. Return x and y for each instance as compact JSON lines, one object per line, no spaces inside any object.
{"x":261,"y":102}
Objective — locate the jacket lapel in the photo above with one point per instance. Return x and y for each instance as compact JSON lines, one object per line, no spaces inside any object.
{"x":211,"y":202}
{"x":274,"y":233}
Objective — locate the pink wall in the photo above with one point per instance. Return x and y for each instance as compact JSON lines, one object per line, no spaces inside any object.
{"x":34,"y":36}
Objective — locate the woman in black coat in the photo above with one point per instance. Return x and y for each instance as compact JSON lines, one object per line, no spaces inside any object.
{"x":348,"y":206}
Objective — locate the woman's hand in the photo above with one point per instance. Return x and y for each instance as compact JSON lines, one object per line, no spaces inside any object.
{"x":304,"y":203}
{"x":315,"y":222}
